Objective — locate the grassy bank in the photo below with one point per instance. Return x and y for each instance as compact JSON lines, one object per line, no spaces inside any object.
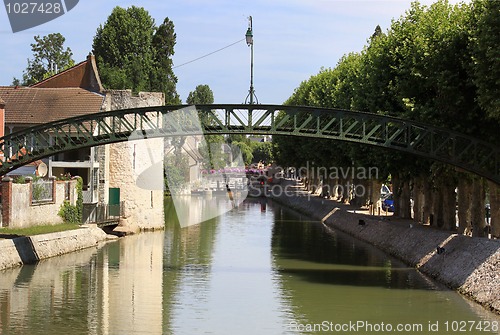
{"x":36,"y":230}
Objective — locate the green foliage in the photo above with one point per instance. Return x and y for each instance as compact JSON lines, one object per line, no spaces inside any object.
{"x":212,"y":154}
{"x":211,"y":148}
{"x":437,"y":64}
{"x":244,"y":149}
{"x":201,"y":95}
{"x":262,"y":152}
{"x":164,"y":79}
{"x":19,"y":180}
{"x":49,"y":57}
{"x":73,"y":213}
{"x":69,"y":213}
{"x":176,"y":173}
{"x":132,"y":53}
{"x":38,"y":190}
{"x":485,"y":47}
{"x":79,"y":199}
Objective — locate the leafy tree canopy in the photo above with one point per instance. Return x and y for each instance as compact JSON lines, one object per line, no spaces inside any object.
{"x":436,"y":64}
{"x":485,"y":47}
{"x":201,"y":95}
{"x":49,"y":58}
{"x":133,"y":53}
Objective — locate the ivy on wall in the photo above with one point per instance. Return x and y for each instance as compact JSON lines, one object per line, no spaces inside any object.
{"x":73,"y":213}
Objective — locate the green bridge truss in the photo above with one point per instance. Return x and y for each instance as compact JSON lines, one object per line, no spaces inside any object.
{"x":412,"y":137}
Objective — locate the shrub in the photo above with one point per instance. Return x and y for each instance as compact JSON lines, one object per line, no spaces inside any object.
{"x":73,"y":213}
{"x":69,"y":213}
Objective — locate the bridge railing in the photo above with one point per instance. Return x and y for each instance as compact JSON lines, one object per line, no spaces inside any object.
{"x":102,"y":213}
{"x":468,"y":153}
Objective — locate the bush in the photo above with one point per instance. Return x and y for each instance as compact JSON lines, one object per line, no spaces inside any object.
{"x":69,"y":213}
{"x":73,"y":213}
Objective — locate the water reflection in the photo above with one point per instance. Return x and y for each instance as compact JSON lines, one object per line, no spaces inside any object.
{"x":322,"y":255}
{"x":187,"y":257}
{"x":224,"y":283}
{"x":43,"y":298}
{"x":251,"y":271}
{"x":192,"y":210}
{"x":329,"y":276}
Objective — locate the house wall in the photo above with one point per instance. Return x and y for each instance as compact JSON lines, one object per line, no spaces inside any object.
{"x":19,"y":212}
{"x":2,"y":122}
{"x":141,"y":191}
{"x":2,"y":118}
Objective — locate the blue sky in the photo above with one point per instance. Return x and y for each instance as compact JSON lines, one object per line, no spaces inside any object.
{"x":293,"y":39}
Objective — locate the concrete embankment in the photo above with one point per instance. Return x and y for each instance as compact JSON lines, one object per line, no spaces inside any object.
{"x":30,"y":249}
{"x":469,"y":265}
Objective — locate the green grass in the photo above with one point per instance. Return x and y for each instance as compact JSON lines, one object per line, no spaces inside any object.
{"x":37,"y":230}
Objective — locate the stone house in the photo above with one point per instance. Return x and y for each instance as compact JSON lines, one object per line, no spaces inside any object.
{"x":73,"y":92}
{"x":105,"y":170}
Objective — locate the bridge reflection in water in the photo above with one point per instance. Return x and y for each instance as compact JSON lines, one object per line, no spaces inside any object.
{"x":246,"y":272}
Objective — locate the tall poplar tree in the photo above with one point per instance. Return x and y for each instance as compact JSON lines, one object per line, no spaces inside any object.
{"x":485,"y":45}
{"x":133,"y":53}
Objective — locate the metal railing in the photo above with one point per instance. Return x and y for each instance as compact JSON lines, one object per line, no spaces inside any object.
{"x":444,"y":145}
{"x":102,"y":213}
{"x":41,"y":191}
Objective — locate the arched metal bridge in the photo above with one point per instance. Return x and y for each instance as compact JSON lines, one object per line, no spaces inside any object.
{"x":416,"y":138}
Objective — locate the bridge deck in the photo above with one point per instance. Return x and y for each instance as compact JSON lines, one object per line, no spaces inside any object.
{"x":409,"y":136}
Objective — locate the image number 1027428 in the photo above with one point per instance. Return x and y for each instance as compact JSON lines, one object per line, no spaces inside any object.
{"x":25,"y":14}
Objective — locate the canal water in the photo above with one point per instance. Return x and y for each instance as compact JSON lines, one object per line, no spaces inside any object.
{"x":257,"y":269}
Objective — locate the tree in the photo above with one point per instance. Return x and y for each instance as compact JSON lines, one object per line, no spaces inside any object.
{"x":262,"y":151}
{"x":132,"y":53}
{"x":201,"y":95}
{"x":244,"y":149}
{"x":211,"y":148}
{"x":176,"y":172}
{"x":49,"y":57}
{"x":485,"y":46}
{"x":163,"y":78}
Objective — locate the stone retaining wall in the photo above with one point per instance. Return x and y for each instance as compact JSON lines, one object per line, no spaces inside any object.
{"x":469,"y":265}
{"x":28,"y":250}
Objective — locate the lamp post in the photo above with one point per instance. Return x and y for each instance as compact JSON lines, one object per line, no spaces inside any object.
{"x":249,"y":39}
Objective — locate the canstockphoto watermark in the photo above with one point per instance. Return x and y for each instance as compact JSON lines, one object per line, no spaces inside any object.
{"x":25,"y":14}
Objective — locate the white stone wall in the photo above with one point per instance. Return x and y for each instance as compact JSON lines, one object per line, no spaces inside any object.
{"x":26,"y":215}
{"x":39,"y":247}
{"x":136,"y":167}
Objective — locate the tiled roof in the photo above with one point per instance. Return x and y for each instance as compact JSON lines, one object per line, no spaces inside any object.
{"x":30,"y":106}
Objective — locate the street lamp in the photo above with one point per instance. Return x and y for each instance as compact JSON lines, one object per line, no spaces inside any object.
{"x":249,"y":39}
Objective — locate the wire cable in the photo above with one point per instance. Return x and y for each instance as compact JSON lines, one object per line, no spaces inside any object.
{"x":211,"y":53}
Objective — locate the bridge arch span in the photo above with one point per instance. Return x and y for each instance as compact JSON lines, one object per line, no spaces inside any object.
{"x":416,"y":138}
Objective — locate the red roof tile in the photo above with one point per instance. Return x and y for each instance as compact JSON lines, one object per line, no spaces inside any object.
{"x":30,"y":106}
